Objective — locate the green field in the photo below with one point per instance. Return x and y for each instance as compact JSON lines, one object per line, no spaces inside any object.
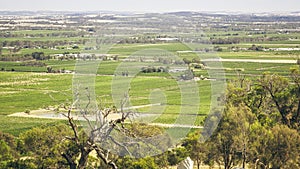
{"x":17,"y":125}
{"x":32,"y":91}
{"x":24,"y":88}
{"x":22,"y":91}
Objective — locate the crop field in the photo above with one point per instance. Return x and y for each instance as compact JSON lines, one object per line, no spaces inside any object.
{"x":22,"y":91}
{"x":25,"y":87}
{"x":17,"y":125}
{"x":31,"y":91}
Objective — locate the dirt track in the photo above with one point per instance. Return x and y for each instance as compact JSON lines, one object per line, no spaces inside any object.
{"x":50,"y":114}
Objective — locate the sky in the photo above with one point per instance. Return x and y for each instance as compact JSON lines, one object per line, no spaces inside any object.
{"x":152,"y":5}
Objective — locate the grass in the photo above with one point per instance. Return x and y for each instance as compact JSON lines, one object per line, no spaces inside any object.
{"x":258,"y":68}
{"x":272,"y":55}
{"x":17,"y":125}
{"x":129,"y":49}
{"x":64,"y":64}
{"x":30,"y":91}
{"x":49,"y":51}
{"x":22,"y":91}
{"x":18,"y":67}
{"x":44,"y":39}
{"x":34,"y":32}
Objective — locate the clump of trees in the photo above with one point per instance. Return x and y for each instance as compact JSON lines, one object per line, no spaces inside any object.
{"x":36,"y":44}
{"x":256,"y":48}
{"x":34,"y":64}
{"x":152,"y":69}
{"x":225,"y":40}
{"x":40,"y":56}
{"x":259,"y":128}
{"x":17,"y":57}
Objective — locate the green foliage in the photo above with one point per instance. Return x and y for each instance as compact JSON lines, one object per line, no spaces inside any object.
{"x":144,"y":130}
{"x":228,"y":143}
{"x":259,"y":136}
{"x":39,"y":56}
{"x":145,"y":163}
{"x":177,"y":155}
{"x":142,"y":163}
{"x":197,"y":150}
{"x":21,"y":164}
{"x":282,"y":97}
{"x":249,"y":130}
{"x":271,"y":98}
{"x":5,"y":151}
{"x":285,"y":148}
{"x":8,"y":139}
{"x":276,"y":147}
{"x":45,"y":148}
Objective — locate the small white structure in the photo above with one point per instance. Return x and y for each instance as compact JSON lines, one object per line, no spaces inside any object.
{"x":188,"y":163}
{"x":175,"y":70}
{"x":167,"y":39}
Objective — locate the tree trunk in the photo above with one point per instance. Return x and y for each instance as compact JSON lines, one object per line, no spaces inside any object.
{"x":71,"y":163}
{"x":113,"y":165}
{"x":244,"y":156}
{"x":83,"y":159}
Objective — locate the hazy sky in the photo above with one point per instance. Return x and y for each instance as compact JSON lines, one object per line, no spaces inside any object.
{"x":152,"y":5}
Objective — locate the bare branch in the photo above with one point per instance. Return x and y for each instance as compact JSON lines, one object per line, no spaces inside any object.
{"x":120,"y":144}
{"x":73,"y":126}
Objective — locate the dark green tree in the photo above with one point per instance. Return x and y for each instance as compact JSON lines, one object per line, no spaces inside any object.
{"x":197,"y":150}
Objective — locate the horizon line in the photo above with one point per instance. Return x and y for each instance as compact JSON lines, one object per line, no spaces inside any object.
{"x":161,"y":12}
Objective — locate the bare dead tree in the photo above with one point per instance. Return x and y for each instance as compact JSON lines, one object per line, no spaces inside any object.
{"x":99,"y":131}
